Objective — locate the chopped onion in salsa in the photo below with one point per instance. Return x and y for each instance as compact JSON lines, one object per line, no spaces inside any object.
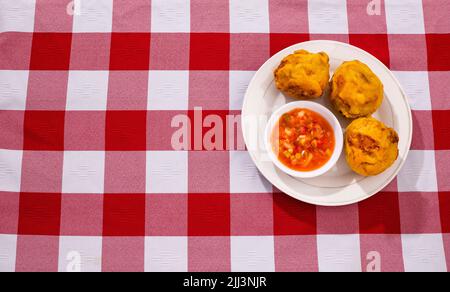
{"x":303,"y":140}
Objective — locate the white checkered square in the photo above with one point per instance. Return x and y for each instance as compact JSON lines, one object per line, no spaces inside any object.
{"x":168,"y":90}
{"x":419,"y":173}
{"x":17,"y":15}
{"x":417,"y":88}
{"x":171,"y":16}
{"x":94,"y":16}
{"x":404,"y":17}
{"x":249,"y":16}
{"x":339,"y":253}
{"x":83,"y":172}
{"x":13,"y":89}
{"x":87,"y":90}
{"x":244,"y":176}
{"x":423,"y":253}
{"x":8,"y":245}
{"x":328,"y":17}
{"x":80,"y":254}
{"x":10,"y":170}
{"x":167,"y":172}
{"x":252,"y":254}
{"x":166,"y":254}
{"x":239,"y":81}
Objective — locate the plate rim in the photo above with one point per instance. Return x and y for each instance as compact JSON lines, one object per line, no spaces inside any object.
{"x":343,"y":203}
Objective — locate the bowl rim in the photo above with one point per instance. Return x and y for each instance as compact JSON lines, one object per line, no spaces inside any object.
{"x":325,"y":113}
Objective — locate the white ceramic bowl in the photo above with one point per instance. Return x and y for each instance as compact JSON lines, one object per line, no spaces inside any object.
{"x":324,"y":112}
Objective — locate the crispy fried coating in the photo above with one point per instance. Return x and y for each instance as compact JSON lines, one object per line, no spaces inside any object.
{"x":355,"y":90}
{"x":303,"y":75}
{"x":370,"y":146}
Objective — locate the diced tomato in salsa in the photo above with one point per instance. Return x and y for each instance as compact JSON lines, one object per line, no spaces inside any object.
{"x":303,"y":140}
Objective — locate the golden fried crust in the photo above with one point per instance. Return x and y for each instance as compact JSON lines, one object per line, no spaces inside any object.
{"x":355,"y":90}
{"x":303,"y":75}
{"x":370,"y":146}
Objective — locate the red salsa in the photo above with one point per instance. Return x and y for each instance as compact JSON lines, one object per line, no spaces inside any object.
{"x":303,"y":140}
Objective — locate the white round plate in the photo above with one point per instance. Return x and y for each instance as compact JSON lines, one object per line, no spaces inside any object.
{"x":340,"y":186}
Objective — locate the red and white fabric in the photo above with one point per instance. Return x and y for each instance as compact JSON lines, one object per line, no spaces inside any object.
{"x":88,"y":177}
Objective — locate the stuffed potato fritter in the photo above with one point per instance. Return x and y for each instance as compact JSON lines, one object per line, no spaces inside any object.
{"x":370,"y":146}
{"x":303,"y":75}
{"x":355,"y":90}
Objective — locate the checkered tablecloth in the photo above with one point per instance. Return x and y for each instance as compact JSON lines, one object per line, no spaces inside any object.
{"x":93,"y":91}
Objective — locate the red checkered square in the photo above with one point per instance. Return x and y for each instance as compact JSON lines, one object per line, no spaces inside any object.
{"x":408,"y":52}
{"x":442,"y":170}
{"x":441,"y":122}
{"x":42,"y":171}
{"x":82,"y":215}
{"x":9,"y":208}
{"x":209,"y":119}
{"x":440,"y":96}
{"x":251,"y":214}
{"x":288,"y":16}
{"x":90,"y":51}
{"x":292,"y":217}
{"x":124,"y":215}
{"x":209,"y":215}
{"x":123,"y":254}
{"x":47,"y":90}
{"x":210,"y":51}
{"x":52,"y":16}
{"x":15,"y":49}
{"x":435,"y":14}
{"x":166,"y":215}
{"x":359,"y":21}
{"x":209,"y":171}
{"x":39,"y":214}
{"x":84,"y":130}
{"x":280,"y":41}
{"x":210,"y":16}
{"x":343,"y":38}
{"x":423,"y":138}
{"x":376,"y":44}
{"x":131,"y":18}
{"x":37,"y":253}
{"x":249,"y":51}
{"x":51,"y":51}
{"x":202,"y":94}
{"x":419,"y":213}
{"x":11,"y":127}
{"x":388,"y":246}
{"x":296,"y":253}
{"x":169,"y":51}
{"x":380,"y":214}
{"x":160,"y":128}
{"x":337,"y":220}
{"x":44,"y":130}
{"x":125,"y":172}
{"x":438,"y":46}
{"x":164,"y":93}
{"x":130,"y":51}
{"x":209,"y":254}
{"x":128,"y":90}
{"x":126,"y":130}
{"x":444,"y":205}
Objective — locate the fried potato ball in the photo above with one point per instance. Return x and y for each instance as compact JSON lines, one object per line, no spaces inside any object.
{"x":370,"y":146}
{"x":303,"y":75}
{"x":355,"y":90}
